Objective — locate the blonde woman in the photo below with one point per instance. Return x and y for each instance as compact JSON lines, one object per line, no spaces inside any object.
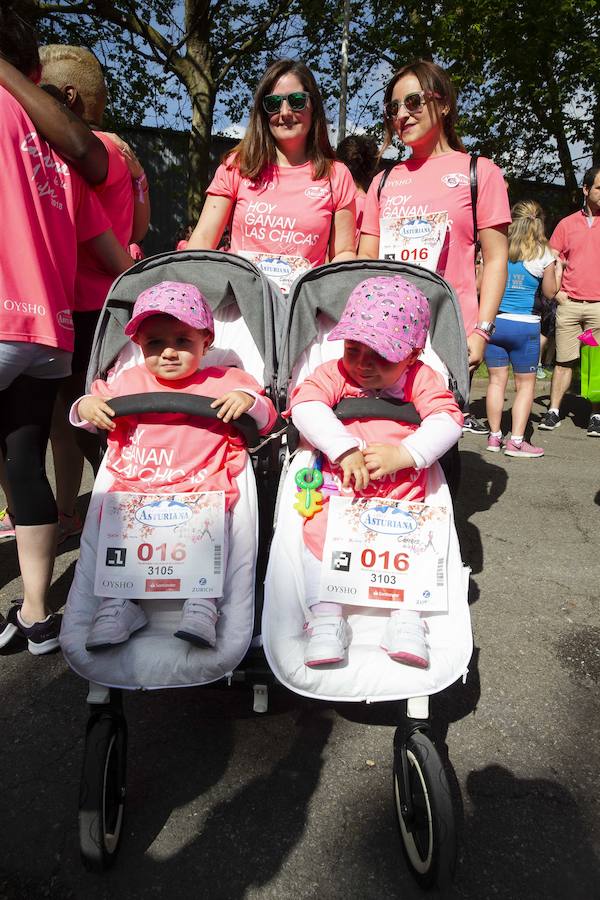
{"x":517,"y":335}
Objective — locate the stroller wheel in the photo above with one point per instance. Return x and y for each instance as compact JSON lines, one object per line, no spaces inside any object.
{"x":102,"y":791}
{"x":428,"y":835}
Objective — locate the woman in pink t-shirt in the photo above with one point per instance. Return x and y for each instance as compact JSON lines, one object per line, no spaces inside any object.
{"x":290,"y":204}
{"x":422,"y":213}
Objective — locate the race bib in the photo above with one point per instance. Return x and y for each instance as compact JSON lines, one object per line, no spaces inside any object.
{"x":161,"y":544}
{"x":281,"y":269}
{"x":392,"y":554}
{"x":416,"y":240}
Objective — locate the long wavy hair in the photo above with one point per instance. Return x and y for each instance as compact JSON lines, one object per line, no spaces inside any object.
{"x":258,"y":149}
{"x":433,"y":80}
{"x":527,"y":232}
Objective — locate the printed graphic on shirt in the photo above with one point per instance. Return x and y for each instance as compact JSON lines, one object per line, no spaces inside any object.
{"x":49,"y":174}
{"x":262,"y":223}
{"x":453,"y":179}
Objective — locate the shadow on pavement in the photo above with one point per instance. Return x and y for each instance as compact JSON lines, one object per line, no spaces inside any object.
{"x":482,"y":485}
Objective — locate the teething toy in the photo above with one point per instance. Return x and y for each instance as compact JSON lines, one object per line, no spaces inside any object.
{"x":310,"y":499}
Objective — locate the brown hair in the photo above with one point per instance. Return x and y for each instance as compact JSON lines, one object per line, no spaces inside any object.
{"x":359,"y":153}
{"x":526,"y":233}
{"x":257,"y":149}
{"x":433,"y":80}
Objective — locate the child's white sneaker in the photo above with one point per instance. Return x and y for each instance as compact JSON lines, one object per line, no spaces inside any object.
{"x":404,"y":639}
{"x":198,"y":622}
{"x":327,"y":642}
{"x":115,"y":621}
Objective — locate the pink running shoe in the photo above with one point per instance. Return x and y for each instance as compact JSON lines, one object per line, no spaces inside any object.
{"x":494,"y":444}
{"x":522,"y":449}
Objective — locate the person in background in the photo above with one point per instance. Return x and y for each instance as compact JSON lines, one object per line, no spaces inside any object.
{"x":516,"y":339}
{"x":289,"y":203}
{"x":185,"y":237}
{"x":576,"y":239}
{"x":359,"y":152}
{"x":77,"y":75}
{"x":433,"y":185}
{"x":45,"y":202}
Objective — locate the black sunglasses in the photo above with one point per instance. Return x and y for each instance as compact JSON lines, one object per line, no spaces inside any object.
{"x":297,"y":101}
{"x":412,"y":103}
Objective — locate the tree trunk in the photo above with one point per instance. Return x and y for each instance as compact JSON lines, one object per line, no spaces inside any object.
{"x":200,"y":83}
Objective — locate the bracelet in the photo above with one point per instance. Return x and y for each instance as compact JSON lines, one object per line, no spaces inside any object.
{"x":482,"y":334}
{"x":141,"y":186}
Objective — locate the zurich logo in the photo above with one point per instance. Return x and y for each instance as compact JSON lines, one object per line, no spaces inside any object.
{"x":164,"y":513}
{"x":388,"y":520}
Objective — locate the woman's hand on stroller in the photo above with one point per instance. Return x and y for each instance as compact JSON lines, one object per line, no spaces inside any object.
{"x":96,"y":411}
{"x":233,"y":405}
{"x":385,"y":459}
{"x":353,"y":465}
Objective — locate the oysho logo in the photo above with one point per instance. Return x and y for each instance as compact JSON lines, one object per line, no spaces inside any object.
{"x":65,"y":319}
{"x":316,"y":193}
{"x":453,"y":179}
{"x":417,"y":228}
{"x":164,"y":513}
{"x":388,"y":520}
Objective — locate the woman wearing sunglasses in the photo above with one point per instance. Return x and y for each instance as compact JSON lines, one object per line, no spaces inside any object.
{"x":423,"y":213}
{"x":291,"y":205}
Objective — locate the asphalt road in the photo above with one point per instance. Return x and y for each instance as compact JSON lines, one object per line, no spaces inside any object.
{"x":296,"y":803}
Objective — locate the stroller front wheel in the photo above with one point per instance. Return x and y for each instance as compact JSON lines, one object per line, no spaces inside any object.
{"x":424,"y":811}
{"x":102,"y":793}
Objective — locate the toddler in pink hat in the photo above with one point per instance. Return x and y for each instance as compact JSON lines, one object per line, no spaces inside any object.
{"x":384,"y":328}
{"x":172,"y":453}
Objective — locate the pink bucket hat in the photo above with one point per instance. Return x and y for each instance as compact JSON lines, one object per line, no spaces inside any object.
{"x":388,"y":314}
{"x":172,"y":298}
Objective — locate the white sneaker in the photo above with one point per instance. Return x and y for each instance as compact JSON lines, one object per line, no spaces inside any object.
{"x":115,"y":621}
{"x":404,"y":639}
{"x":328,"y":641}
{"x":198,"y":622}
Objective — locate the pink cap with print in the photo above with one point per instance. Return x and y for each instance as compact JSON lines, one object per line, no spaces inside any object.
{"x":172,"y":298}
{"x":388,"y":314}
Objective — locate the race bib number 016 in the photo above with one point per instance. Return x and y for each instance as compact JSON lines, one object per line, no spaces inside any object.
{"x":281,"y":269}
{"x":418,"y":241}
{"x":386,"y":553}
{"x":153,"y":545}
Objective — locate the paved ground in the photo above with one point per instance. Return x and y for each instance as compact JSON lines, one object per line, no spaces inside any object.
{"x":226,"y":804}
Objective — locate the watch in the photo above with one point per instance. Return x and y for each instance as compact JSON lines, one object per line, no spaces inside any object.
{"x":488,"y":327}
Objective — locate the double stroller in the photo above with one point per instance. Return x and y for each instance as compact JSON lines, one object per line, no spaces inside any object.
{"x":279,"y":341}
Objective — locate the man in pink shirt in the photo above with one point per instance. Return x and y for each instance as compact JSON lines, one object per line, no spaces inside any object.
{"x":576,"y":240}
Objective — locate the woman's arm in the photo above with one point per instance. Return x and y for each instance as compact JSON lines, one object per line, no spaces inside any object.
{"x":343,"y":234}
{"x":368,"y":247}
{"x":213,"y":218}
{"x":64,"y":131}
{"x":494,"y":253}
{"x":109,"y":253}
{"x":550,"y":285}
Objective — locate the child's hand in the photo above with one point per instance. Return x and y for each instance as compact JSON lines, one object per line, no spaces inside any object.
{"x":96,"y":411}
{"x":353,"y":466}
{"x":233,"y":405}
{"x":385,"y":459}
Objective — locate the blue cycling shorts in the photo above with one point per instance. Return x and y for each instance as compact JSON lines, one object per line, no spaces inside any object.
{"x":515,"y":342}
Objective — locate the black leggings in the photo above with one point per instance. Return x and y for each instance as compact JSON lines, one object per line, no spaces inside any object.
{"x":25,"y":416}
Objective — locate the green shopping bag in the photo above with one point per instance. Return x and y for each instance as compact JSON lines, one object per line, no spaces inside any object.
{"x":590,"y":373}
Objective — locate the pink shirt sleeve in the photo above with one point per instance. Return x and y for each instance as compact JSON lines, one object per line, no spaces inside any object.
{"x":557,"y":240}
{"x":226,"y":182}
{"x":370,"y":219}
{"x":342,"y":186}
{"x":493,"y":207}
{"x":325,"y":384}
{"x":427,"y":390}
{"x":90,"y":218}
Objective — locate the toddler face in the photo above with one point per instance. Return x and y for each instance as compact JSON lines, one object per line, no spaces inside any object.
{"x":172,"y":350}
{"x":370,"y":370}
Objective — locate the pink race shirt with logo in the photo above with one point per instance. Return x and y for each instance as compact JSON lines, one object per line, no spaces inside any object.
{"x":441,"y":184}
{"x":579,"y":244}
{"x":284,"y":211}
{"x":168,"y":453}
{"x":45,"y":210}
{"x":93,"y":283}
{"x":330,"y":383}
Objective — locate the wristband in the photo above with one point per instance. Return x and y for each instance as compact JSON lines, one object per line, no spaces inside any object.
{"x":484,"y":334}
{"x":141,"y":186}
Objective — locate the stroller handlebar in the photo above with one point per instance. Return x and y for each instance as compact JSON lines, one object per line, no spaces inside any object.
{"x":180,"y":402}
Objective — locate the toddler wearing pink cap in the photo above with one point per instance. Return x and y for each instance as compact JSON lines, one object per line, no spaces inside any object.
{"x":384,"y":327}
{"x":172,"y":453}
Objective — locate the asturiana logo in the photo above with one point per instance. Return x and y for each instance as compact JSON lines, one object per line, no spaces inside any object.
{"x":164,"y":513}
{"x":65,"y":319}
{"x":388,"y":520}
{"x":316,"y":193}
{"x":416,"y":228}
{"x":453,"y":179}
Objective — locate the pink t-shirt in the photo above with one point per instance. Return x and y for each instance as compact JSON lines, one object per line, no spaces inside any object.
{"x":176,"y":453}
{"x":330,"y":383}
{"x":441,"y":184}
{"x":579,"y":245}
{"x":45,"y":209}
{"x":284,"y":211}
{"x":116,"y":196}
